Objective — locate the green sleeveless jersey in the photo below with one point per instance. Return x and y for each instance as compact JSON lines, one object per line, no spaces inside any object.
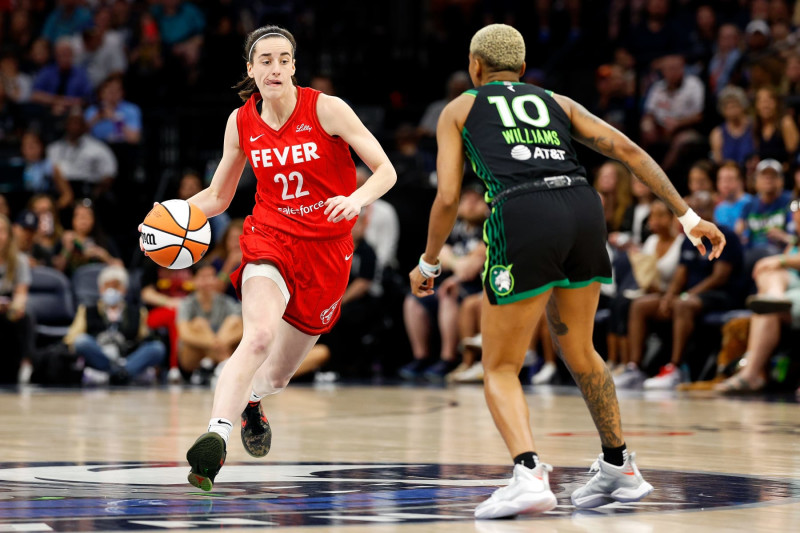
{"x":516,"y":133}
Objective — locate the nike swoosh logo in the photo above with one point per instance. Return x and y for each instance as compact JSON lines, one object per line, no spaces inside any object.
{"x":629,"y":473}
{"x":253,"y":139}
{"x":347,"y":257}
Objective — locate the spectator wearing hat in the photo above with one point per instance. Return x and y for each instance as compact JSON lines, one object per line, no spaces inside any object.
{"x":759,"y":66}
{"x":111,"y":335}
{"x":25,"y":227}
{"x":762,"y":225}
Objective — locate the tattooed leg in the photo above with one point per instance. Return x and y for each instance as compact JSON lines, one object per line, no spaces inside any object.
{"x":573,"y":344}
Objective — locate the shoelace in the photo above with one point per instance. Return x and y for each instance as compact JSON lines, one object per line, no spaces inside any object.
{"x":595,"y":467}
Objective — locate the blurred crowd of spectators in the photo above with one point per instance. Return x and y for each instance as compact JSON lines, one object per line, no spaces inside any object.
{"x":94,"y":96}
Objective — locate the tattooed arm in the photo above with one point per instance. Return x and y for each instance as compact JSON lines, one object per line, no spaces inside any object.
{"x":607,"y":140}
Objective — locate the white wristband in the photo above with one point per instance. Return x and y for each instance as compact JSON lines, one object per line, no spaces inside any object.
{"x":428,"y":270}
{"x":689,"y":220}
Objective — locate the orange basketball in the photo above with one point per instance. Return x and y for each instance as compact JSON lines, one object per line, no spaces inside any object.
{"x":175,"y":234}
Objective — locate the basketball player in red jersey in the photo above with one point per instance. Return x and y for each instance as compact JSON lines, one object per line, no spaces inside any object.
{"x":296,"y":245}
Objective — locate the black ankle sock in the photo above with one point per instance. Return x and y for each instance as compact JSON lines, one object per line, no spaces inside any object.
{"x":527,"y":459}
{"x":615,"y":456}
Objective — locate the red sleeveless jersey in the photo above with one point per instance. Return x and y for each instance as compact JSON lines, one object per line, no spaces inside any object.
{"x":298,"y":167}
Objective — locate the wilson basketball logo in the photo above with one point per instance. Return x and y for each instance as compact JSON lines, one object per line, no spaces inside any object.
{"x":175,"y":234}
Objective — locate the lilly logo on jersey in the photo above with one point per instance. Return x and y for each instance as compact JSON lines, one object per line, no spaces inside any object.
{"x":297,"y":153}
{"x":302,"y":127}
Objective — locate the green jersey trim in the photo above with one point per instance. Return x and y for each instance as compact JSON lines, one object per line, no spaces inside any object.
{"x":471,"y":92}
{"x":480,"y":167}
{"x":505,"y":83}
{"x":561,"y":283}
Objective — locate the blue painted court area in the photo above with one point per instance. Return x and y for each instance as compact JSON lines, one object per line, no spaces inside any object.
{"x":143,"y":496}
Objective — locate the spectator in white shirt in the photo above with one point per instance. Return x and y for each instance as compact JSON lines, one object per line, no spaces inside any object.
{"x":673,"y":107}
{"x":87,"y":163}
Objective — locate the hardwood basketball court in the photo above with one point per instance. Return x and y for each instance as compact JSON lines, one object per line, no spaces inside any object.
{"x":384,"y":459}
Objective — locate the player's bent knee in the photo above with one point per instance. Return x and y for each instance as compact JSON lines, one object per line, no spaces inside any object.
{"x":258,"y":342}
{"x":273,"y":385}
{"x":279,"y":383}
{"x":584,"y":360}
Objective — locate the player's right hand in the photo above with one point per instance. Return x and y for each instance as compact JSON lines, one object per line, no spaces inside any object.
{"x":711,"y":232}
{"x":420,"y":285}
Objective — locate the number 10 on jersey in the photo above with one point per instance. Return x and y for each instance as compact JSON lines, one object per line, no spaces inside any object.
{"x":293,"y":176}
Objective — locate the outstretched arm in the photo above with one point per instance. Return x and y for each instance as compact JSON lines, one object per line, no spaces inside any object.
{"x":607,"y":140}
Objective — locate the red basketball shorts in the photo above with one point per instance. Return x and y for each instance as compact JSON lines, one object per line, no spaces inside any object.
{"x":316,"y":273}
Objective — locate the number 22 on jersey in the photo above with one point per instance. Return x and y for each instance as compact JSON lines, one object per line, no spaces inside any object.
{"x":282,"y":178}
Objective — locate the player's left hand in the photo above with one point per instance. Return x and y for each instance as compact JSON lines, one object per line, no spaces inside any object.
{"x":711,"y":232}
{"x":340,"y":208}
{"x":420,"y":285}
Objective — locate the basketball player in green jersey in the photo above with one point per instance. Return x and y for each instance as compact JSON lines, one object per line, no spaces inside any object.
{"x":546,"y":251}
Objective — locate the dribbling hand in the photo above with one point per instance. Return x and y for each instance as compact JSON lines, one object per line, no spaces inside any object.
{"x":420,"y":285}
{"x":711,"y":232}
{"x":340,"y":208}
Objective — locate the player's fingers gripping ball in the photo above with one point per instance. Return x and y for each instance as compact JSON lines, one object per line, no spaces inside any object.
{"x":175,"y":234}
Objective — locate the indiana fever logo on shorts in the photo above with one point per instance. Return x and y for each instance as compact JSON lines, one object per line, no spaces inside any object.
{"x":327,"y":314}
{"x":501,"y":280}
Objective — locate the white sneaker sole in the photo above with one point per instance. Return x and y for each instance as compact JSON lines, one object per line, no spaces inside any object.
{"x":526,"y":503}
{"x":622,"y":495}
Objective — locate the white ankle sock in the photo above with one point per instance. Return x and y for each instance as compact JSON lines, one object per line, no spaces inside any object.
{"x":255,"y":397}
{"x":221,"y":426}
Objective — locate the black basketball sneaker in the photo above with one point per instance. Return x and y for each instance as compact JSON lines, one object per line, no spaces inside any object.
{"x":256,"y":433}
{"x":206,"y":457}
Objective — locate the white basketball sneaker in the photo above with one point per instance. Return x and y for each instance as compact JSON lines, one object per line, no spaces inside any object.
{"x":528,"y":492}
{"x":612,"y":483}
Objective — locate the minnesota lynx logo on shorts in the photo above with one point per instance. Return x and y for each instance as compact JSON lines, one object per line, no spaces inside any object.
{"x":501,"y":280}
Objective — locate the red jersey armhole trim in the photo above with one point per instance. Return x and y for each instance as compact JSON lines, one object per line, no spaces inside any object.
{"x":239,"y":127}
{"x":314,"y":97}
